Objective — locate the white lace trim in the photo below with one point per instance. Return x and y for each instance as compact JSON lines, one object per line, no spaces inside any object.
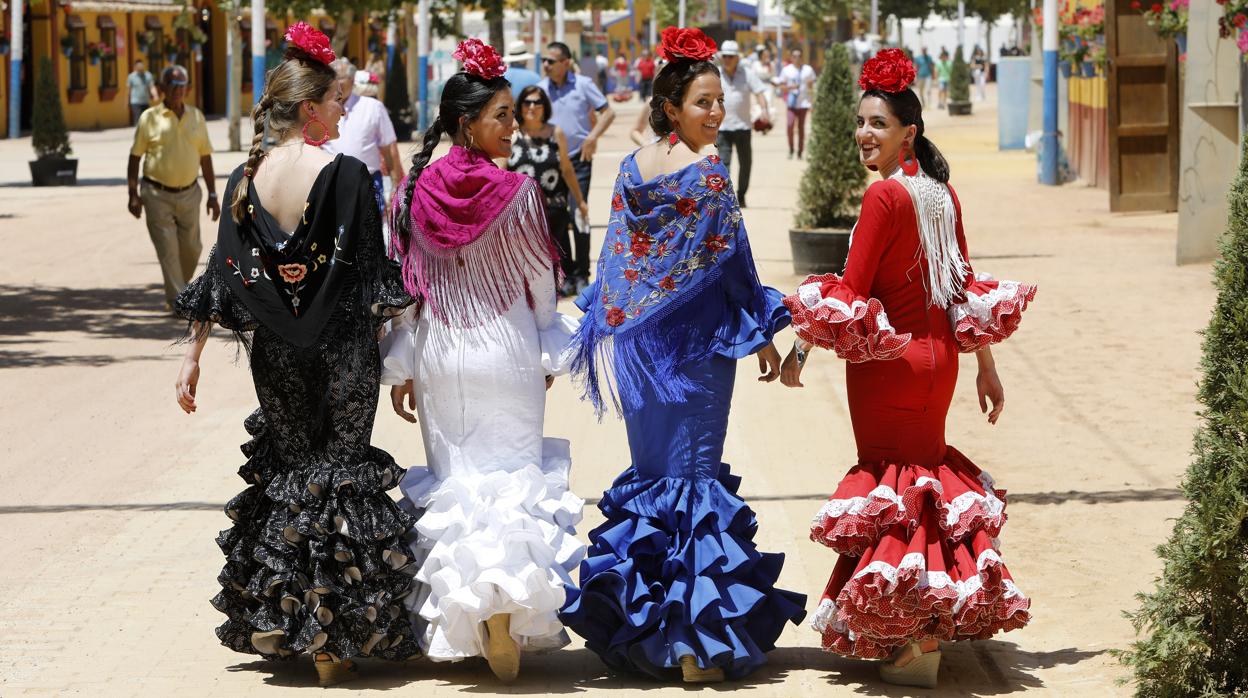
{"x":979,"y":307}
{"x":954,"y":509}
{"x":812,"y":297}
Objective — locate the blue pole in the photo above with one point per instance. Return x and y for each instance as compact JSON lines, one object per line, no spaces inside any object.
{"x":15,"y":95}
{"x":1049,"y":142}
{"x":257,"y":77}
{"x":423,"y":67}
{"x":258,"y":25}
{"x":423,"y":45}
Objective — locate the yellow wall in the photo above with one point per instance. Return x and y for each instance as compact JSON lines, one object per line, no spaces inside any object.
{"x":94,"y":111}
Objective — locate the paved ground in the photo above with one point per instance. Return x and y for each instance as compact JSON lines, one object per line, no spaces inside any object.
{"x":112,"y":496}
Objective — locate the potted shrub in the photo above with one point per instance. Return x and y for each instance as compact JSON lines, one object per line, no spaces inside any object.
{"x":831,"y":189}
{"x":959,"y":86}
{"x":398,"y":102}
{"x":50,"y":138}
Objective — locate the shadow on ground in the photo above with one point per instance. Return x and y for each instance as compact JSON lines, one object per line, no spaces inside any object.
{"x":134,"y":312}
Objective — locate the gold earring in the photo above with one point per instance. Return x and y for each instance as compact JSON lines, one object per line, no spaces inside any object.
{"x":472,"y":144}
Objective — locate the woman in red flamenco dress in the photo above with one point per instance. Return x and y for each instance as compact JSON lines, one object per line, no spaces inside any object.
{"x":915,"y":522}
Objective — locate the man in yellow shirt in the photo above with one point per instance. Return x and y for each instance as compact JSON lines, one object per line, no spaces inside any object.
{"x":171,"y":139}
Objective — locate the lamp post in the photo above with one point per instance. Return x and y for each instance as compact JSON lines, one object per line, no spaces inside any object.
{"x":15,"y":68}
{"x":422,"y":63}
{"x":1048,"y":157}
{"x":559,"y":35}
{"x":681,"y":22}
{"x":257,"y":50}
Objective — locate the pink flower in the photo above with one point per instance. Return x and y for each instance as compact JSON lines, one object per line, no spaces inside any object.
{"x":1242,"y":42}
{"x":479,"y":59}
{"x":292,"y":273}
{"x":311,"y":41}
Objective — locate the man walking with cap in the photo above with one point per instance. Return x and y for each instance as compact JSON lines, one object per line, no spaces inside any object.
{"x":573,"y":98}
{"x":519,"y":76}
{"x":740,"y":85}
{"x":171,"y":139}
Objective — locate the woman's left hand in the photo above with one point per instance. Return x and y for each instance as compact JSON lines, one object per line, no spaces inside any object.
{"x":769,"y":363}
{"x":988,"y":384}
{"x":584,"y":209}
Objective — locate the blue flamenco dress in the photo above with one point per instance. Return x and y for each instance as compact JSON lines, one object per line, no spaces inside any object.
{"x":674,"y":571}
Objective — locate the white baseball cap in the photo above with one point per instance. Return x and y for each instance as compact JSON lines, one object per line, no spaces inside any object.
{"x":729,"y":48}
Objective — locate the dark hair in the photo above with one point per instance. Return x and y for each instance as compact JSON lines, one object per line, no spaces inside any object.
{"x":546,"y":107}
{"x":906,"y":107}
{"x":670,"y":85}
{"x":463,"y":97}
{"x":561,"y":48}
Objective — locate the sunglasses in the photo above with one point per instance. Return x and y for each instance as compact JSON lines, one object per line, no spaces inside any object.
{"x":532,"y":103}
{"x":550,"y":61}
{"x":177,"y":83}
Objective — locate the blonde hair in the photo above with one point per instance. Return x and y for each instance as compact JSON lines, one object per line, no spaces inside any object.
{"x":297,"y":79}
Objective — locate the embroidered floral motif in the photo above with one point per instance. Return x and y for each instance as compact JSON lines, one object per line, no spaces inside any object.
{"x":255,"y":252}
{"x":640,"y":246}
{"x":292,"y":273}
{"x":615,"y":316}
{"x":716,"y":243}
{"x":667,"y":284}
{"x":631,"y":275}
{"x":715,"y":182}
{"x":617,"y":203}
{"x":238,"y":271}
{"x":686,"y":207}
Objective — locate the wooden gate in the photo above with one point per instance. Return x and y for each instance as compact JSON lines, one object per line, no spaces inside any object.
{"x":1143,"y":113}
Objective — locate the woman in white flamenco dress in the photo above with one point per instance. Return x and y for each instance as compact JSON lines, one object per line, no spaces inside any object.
{"x":495,"y":540}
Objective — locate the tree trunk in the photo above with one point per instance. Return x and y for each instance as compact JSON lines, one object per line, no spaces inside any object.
{"x":342,"y":30}
{"x":494,"y":18}
{"x":234,"y":78}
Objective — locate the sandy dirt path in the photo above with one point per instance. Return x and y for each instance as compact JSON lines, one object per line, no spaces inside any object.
{"x":112,"y":496}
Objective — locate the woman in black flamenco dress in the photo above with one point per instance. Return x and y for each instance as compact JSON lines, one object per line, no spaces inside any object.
{"x":315,"y":561}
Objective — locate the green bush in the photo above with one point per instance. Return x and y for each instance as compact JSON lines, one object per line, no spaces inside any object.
{"x":959,"y":79}
{"x":1196,"y":621}
{"x":831,"y":188}
{"x":50,"y":138}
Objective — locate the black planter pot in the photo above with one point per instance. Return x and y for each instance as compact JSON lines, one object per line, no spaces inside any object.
{"x":54,"y":172}
{"x":959,"y":109}
{"x":819,"y":250}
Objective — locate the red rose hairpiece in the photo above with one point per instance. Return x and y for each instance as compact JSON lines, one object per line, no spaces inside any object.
{"x":889,"y":71}
{"x":311,"y":41}
{"x":479,"y":59}
{"x":691,"y":44}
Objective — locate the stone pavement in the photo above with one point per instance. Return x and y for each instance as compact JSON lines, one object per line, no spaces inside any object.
{"x":112,"y":496}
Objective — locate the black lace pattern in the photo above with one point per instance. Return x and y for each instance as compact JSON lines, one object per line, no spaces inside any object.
{"x":315,"y":559}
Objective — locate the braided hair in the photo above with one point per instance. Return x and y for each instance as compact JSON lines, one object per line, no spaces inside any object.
{"x":463,"y":97}
{"x":297,"y":79}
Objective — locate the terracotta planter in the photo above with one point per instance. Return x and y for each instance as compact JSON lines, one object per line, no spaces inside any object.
{"x":819,"y":250}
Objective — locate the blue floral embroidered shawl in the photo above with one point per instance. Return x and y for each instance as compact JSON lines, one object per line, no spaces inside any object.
{"x":673,"y":242}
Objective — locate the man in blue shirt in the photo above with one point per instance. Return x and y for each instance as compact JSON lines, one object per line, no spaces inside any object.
{"x":925,"y":66}
{"x":573,"y":98}
{"x":519,"y":76}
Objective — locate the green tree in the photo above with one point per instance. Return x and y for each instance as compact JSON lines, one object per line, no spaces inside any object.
{"x":1197,"y":618}
{"x":959,"y":78}
{"x":49,"y":138}
{"x":831,"y":188}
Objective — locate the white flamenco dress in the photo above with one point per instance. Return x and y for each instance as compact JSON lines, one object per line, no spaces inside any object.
{"x":496,"y":517}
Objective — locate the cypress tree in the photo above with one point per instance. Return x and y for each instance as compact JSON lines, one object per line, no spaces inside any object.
{"x":49,"y":137}
{"x":1196,"y":620}
{"x":959,"y":79}
{"x":831,"y":188}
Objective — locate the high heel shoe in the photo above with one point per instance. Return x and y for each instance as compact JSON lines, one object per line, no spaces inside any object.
{"x":502,"y":652}
{"x":693,"y":673}
{"x":332,"y":671}
{"x":920,"y":671}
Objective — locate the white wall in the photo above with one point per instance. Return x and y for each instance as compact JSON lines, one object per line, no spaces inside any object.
{"x":938,"y":32}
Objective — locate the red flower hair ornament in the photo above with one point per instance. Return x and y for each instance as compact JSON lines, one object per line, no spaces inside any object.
{"x":692,"y":44}
{"x":311,"y":41}
{"x":889,"y":71}
{"x":479,"y":59}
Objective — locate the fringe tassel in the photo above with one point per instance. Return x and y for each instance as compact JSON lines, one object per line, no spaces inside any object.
{"x":938,"y":232}
{"x":479,"y":281}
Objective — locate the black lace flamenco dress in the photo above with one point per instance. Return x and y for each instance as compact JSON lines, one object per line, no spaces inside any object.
{"x":315,"y":560}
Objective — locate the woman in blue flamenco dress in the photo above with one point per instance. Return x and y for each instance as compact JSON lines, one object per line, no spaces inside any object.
{"x":673,"y":585}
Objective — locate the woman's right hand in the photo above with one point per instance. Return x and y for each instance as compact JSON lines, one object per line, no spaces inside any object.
{"x":188,"y":381}
{"x":791,"y":370}
{"x":397,"y":393}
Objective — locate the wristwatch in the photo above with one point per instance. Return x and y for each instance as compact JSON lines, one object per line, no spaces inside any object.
{"x":212,"y":195}
{"x":801,"y":353}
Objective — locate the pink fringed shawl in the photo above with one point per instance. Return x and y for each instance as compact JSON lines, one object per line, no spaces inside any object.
{"x":477,"y":232}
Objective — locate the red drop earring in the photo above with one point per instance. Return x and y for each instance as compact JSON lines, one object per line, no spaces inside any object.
{"x":315,"y":142}
{"x":909,"y":163}
{"x":672,"y":140}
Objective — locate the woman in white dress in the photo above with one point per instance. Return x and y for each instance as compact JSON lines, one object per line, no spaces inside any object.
{"x":495,"y":539}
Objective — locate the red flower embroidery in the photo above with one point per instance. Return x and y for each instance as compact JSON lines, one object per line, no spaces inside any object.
{"x":615,"y":316}
{"x":686,"y":206}
{"x":229,"y":261}
{"x":641,"y":244}
{"x":617,"y":203}
{"x":311,"y":41}
{"x":715,"y":182}
{"x":716,"y":243}
{"x":631,"y":275}
{"x":889,"y":71}
{"x":292,"y":273}
{"x":662,"y":250}
{"x":667,"y":284}
{"x":479,"y":59}
{"x":618,"y":248}
{"x":713,"y":159}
